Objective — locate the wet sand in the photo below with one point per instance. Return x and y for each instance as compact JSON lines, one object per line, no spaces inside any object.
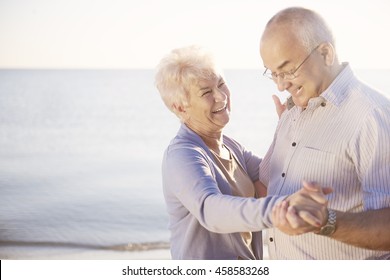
{"x":28,"y":253}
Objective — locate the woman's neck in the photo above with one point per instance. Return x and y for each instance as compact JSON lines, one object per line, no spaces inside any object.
{"x":213,"y":140}
{"x":216,"y":145}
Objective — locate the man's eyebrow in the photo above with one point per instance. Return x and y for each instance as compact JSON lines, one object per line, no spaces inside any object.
{"x":281,"y":66}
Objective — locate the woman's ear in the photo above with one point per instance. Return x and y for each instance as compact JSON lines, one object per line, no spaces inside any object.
{"x":180,"y":111}
{"x":328,"y":53}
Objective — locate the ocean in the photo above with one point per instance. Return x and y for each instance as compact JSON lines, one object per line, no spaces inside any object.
{"x":81,"y":151}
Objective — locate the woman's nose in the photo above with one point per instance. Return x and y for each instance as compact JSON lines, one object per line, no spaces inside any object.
{"x":220,"y":95}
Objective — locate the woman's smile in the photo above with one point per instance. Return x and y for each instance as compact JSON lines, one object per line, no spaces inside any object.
{"x":222,"y":109}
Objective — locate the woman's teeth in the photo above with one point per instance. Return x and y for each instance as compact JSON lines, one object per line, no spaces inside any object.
{"x":219,"y":110}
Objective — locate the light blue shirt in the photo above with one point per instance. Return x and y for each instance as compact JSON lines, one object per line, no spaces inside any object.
{"x":205,"y":219}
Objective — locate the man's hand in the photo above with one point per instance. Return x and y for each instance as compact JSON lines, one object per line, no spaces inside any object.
{"x":303,"y":211}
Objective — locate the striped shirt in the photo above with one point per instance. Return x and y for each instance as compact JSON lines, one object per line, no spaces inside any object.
{"x":342,"y":139}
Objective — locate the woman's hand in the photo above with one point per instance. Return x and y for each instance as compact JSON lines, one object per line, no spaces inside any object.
{"x":303,"y":211}
{"x":280,"y":108}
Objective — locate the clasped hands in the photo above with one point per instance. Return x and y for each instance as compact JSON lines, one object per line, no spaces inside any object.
{"x":304,"y":211}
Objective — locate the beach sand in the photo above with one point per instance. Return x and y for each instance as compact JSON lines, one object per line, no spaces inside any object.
{"x":45,"y":253}
{"x":27,"y":253}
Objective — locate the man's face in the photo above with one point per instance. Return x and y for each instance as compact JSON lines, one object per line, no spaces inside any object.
{"x":282,"y":53}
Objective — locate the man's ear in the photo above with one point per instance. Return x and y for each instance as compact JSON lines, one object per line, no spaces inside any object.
{"x":328,"y":52}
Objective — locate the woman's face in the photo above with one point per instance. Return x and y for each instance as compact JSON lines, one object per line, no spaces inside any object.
{"x":209,"y":106}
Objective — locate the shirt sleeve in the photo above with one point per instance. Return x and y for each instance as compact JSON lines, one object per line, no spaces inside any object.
{"x":372,"y":158}
{"x":189,"y":177}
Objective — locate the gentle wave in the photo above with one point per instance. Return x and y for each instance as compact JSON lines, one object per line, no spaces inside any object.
{"x":129,"y":247}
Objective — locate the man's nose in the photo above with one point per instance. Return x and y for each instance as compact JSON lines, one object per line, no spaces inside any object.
{"x":282,"y":84}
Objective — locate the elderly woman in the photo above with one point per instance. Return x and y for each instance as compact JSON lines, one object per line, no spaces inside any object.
{"x":210,"y":181}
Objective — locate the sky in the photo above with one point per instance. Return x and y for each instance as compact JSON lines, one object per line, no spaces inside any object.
{"x":122,"y":34}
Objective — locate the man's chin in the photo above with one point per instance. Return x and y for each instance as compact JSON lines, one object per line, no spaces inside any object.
{"x":300,"y":102}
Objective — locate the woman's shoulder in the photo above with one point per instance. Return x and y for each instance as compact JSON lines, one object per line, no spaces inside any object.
{"x":183,"y":147}
{"x":232,"y":143}
{"x":180,"y":145}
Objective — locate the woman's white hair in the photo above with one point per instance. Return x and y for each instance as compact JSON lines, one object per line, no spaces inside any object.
{"x":179,"y":71}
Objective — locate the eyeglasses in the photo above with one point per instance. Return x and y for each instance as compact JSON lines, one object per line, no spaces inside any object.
{"x":290,"y":75}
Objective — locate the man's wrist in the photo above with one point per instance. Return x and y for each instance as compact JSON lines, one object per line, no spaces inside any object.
{"x":330,"y":227}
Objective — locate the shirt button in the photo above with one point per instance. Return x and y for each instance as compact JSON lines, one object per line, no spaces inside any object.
{"x":283,"y":174}
{"x":294,"y":144}
{"x":323,"y":104}
{"x":271,"y":239}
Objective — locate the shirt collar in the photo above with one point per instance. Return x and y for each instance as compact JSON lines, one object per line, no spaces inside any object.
{"x":337,"y":92}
